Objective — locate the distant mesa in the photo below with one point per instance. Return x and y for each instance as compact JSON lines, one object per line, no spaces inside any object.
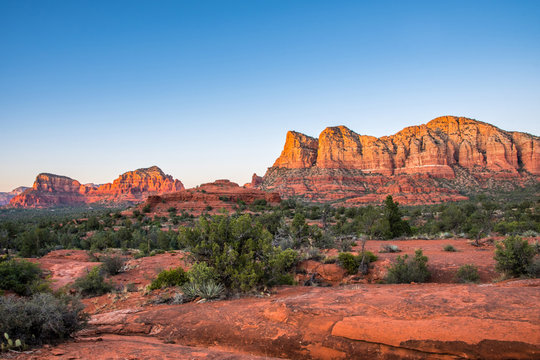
{"x":131,"y":187}
{"x":443,"y":160}
{"x":213,"y":197}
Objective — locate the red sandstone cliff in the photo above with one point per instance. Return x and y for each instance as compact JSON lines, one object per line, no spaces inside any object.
{"x":133,"y":186}
{"x":427,"y":163}
{"x":5,"y":197}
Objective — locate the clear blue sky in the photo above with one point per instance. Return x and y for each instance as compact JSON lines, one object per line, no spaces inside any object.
{"x":208,"y":89}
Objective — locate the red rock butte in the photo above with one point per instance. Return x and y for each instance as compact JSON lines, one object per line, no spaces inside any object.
{"x":430,"y":163}
{"x":221,"y":194}
{"x":132,"y":186}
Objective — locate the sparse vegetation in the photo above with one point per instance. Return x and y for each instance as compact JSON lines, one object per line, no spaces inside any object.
{"x":467,"y":273}
{"x":169,"y":278}
{"x":449,"y":248}
{"x":41,"y":319}
{"x":93,"y":283}
{"x":515,"y":256}
{"x":351,"y":263}
{"x":21,"y":276}
{"x":406,"y":270}
{"x":112,"y":265}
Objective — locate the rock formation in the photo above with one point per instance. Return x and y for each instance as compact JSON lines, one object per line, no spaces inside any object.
{"x":130,"y":187}
{"x":221,"y":194}
{"x":438,"y":161}
{"x":5,"y":197}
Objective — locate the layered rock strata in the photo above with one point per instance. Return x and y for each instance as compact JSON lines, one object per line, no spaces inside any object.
{"x":133,"y":186}
{"x":434,"y":162}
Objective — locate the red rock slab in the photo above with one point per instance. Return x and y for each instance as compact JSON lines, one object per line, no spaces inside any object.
{"x":424,"y":321}
{"x":65,"y":266}
{"x":131,"y":347}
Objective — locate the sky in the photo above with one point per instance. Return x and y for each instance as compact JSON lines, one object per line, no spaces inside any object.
{"x":208,"y":89}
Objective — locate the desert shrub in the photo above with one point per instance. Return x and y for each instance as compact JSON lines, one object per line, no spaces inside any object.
{"x":351,"y":263}
{"x":406,"y":270}
{"x":514,"y":256}
{"x":21,"y":277}
{"x":348,"y":262}
{"x":112,"y":265}
{"x":449,"y":248}
{"x":43,"y":318}
{"x":201,"y":273}
{"x":146,"y":209}
{"x":210,"y":290}
{"x":168,"y":278}
{"x":467,"y":273}
{"x":92,"y":284}
{"x":533,"y":270}
{"x":239,"y":249}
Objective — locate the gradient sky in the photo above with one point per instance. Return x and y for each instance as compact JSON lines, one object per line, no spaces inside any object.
{"x":208,"y":89}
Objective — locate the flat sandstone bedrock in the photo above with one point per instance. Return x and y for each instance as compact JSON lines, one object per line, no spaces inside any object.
{"x":417,"y":321}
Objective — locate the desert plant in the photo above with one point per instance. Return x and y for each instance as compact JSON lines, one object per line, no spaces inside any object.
{"x":348,"y":262}
{"x":190,"y":291}
{"x":168,"y":278}
{"x":20,"y":276}
{"x":201,"y":273}
{"x":533,"y":270}
{"x":92,"y":284}
{"x":208,"y":290}
{"x":449,"y":248}
{"x":43,"y":318}
{"x":406,"y":270}
{"x":514,"y":256}
{"x":352,"y":263}
{"x":112,"y":265}
{"x":467,"y":273}
{"x":9,"y":344}
{"x":239,"y":249}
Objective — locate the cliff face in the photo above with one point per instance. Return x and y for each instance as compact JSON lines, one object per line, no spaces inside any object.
{"x":5,"y":197}
{"x":133,"y":186}
{"x":427,"y":163}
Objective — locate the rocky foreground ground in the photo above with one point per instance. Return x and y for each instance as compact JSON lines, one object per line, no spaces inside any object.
{"x":442,"y":320}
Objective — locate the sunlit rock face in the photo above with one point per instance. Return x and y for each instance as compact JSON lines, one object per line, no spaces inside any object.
{"x":132,"y":186}
{"x":5,"y":197}
{"x":430,"y":163}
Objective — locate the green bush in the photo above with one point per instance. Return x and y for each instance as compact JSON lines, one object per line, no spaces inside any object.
{"x":449,"y":248}
{"x":467,"y":273}
{"x":514,"y":256}
{"x":406,"y":270}
{"x":112,"y":265}
{"x":21,"y":277}
{"x":239,"y":249}
{"x":348,"y":262}
{"x":92,"y":284}
{"x":43,"y":318}
{"x":201,"y":273}
{"x":168,"y":278}
{"x":351,"y":263}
